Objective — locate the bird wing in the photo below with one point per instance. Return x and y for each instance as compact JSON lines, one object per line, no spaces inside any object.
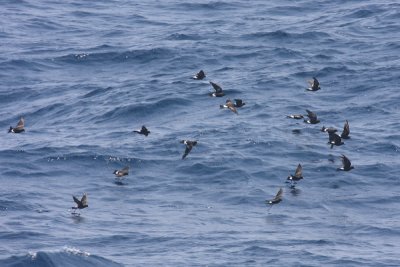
{"x":346,"y":129}
{"x":299,"y":171}
{"x":216,"y":87}
{"x":311,"y":115}
{"x":21,"y":123}
{"x":346,"y":162}
{"x":187,"y":150}
{"x":77,"y":201}
{"x":337,"y":139}
{"x":84,"y":200}
{"x":231,"y":106}
{"x":278,"y":196}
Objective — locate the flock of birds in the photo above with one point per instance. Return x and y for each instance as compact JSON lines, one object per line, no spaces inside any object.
{"x":334,"y":140}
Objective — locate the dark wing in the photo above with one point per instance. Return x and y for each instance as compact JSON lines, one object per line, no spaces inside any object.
{"x":311,"y":115}
{"x":216,"y":87}
{"x":346,"y":129}
{"x":84,"y":200}
{"x":337,"y":139}
{"x":315,"y":82}
{"x":346,"y":162}
{"x":187,"y":150}
{"x":201,"y":75}
{"x":77,"y":201}
{"x":299,"y":171}
{"x":279,"y":195}
{"x":144,"y":129}
{"x":20,"y":124}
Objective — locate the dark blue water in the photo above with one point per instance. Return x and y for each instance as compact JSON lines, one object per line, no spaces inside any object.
{"x":85,"y":74}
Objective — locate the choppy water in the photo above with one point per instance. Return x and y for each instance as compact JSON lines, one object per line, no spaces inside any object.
{"x":86,"y":74}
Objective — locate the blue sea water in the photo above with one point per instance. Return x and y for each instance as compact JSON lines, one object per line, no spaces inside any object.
{"x":85,"y":74}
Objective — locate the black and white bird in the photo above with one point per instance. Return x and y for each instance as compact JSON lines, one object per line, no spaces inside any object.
{"x":314,"y":85}
{"x":276,"y":199}
{"x":334,"y":140}
{"x":19,"y":128}
{"x":295,"y":116}
{"x":346,"y":131}
{"x":312,"y":117}
{"x":229,"y":105}
{"x":121,"y":173}
{"x":346,"y":164}
{"x":143,"y":131}
{"x":199,"y":76}
{"x":189,"y":145}
{"x":298,"y":175}
{"x":239,"y":103}
{"x":80,"y":204}
{"x":218,"y":90}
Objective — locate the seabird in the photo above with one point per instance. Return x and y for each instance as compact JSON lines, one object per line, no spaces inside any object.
{"x":295,"y":116}
{"x":143,"y":131}
{"x":123,"y":172}
{"x":199,"y":76}
{"x":218,"y":90}
{"x":19,"y":128}
{"x":80,"y":204}
{"x":346,"y":164}
{"x":346,"y":131}
{"x":312,"y":117}
{"x":189,"y":145}
{"x":298,"y":175}
{"x":335,"y":140}
{"x":229,"y":105}
{"x":239,"y":103}
{"x":276,"y":199}
{"x":328,"y":129}
{"x":314,"y":85}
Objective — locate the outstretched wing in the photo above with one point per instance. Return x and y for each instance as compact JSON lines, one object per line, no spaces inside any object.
{"x":187,"y":150}
{"x":77,"y":201}
{"x":311,"y":115}
{"x":21,"y":124}
{"x":278,"y":195}
{"x":299,"y":171}
{"x":216,"y":87}
{"x":84,"y":200}
{"x":346,"y":162}
{"x":346,"y":129}
{"x":125,"y":171}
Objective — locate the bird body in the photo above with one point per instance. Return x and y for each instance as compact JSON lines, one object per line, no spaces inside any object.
{"x":121,"y":173}
{"x":346,"y":164}
{"x":229,"y":105}
{"x":199,"y":76}
{"x":189,"y":145}
{"x":314,"y":85}
{"x":298,"y":175}
{"x":218,"y":90}
{"x":312,"y":117}
{"x":19,"y":128}
{"x":80,"y":204}
{"x":143,"y":131}
{"x":276,"y":199}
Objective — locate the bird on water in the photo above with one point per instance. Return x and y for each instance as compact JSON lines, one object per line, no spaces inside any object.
{"x":298,"y":175}
{"x":19,"y":128}
{"x":143,"y":131}
{"x":346,"y":164}
{"x":189,"y":145}
{"x":276,"y":199}
{"x":218,"y":90}
{"x":199,"y":76}
{"x":80,"y":204}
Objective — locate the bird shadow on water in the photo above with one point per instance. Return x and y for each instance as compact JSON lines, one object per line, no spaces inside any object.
{"x":119,"y":182}
{"x":295,"y":191}
{"x":77,"y":218}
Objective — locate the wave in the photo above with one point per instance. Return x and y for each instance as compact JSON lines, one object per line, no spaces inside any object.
{"x":68,"y":257}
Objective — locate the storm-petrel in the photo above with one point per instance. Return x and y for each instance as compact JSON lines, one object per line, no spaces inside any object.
{"x":346,"y":164}
{"x":218,"y":90}
{"x":19,"y":128}
{"x":143,"y":131}
{"x":189,"y":145}
{"x":229,"y":105}
{"x":312,"y":117}
{"x":314,"y":85}
{"x":199,"y":76}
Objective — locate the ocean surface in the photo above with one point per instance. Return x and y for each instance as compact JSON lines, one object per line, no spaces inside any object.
{"x":86,"y":74}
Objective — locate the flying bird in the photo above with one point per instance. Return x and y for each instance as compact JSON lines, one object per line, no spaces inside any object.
{"x":143,"y":131}
{"x":189,"y":145}
{"x":298,"y":175}
{"x":229,"y":105}
{"x":334,"y":140}
{"x":80,"y":204}
{"x":346,"y":164}
{"x":346,"y":131}
{"x":218,"y":90}
{"x":314,"y":85}
{"x":19,"y":128}
{"x":312,"y":117}
{"x":121,"y":173}
{"x":199,"y":76}
{"x":276,"y":199}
